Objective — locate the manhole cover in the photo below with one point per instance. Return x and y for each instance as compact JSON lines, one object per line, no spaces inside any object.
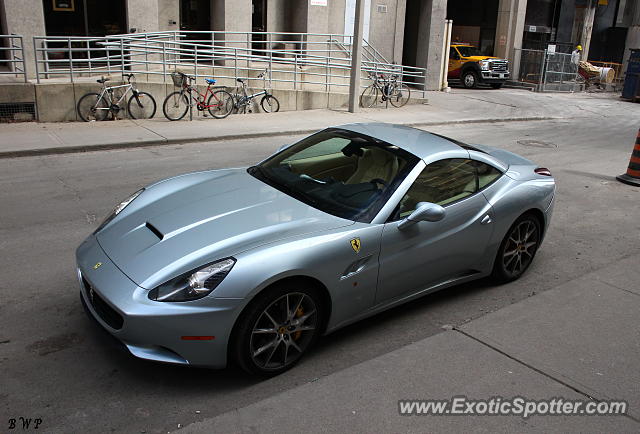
{"x":537,"y":144}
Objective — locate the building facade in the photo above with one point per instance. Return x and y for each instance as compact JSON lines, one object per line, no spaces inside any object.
{"x":410,"y":32}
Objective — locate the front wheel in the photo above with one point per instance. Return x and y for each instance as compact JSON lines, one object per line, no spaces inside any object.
{"x":369,"y":96}
{"x":470,"y":79}
{"x":517,"y":249}
{"x":270,"y":104}
{"x":175,"y":106}
{"x":141,"y":105}
{"x":92,"y":107}
{"x":277,"y":328}
{"x":220,"y":104}
{"x":400,"y":95}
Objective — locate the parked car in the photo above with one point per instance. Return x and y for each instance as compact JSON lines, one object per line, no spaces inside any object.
{"x":253,"y":264}
{"x":469,"y":66}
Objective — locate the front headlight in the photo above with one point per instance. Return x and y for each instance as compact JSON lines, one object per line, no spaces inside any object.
{"x":118,"y":209}
{"x":484,"y":65}
{"x":195,"y":284}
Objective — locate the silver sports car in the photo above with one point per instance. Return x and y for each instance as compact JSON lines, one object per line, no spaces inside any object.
{"x":253,"y":264}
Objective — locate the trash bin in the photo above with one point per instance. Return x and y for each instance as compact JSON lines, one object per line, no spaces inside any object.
{"x":631,"y":89}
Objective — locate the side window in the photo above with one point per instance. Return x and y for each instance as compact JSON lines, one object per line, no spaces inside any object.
{"x":486,"y":174}
{"x":441,"y":182}
{"x":453,"y":54}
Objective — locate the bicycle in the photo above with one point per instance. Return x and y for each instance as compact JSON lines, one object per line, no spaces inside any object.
{"x":244,"y":102}
{"x":97,"y":106}
{"x":390,"y":89}
{"x":219,"y":103}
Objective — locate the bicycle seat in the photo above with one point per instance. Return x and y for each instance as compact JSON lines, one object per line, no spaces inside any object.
{"x":210,"y":80}
{"x":103,"y":80}
{"x":239,"y":80}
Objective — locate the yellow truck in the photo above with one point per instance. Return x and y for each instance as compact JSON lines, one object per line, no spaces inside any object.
{"x":469,"y":66}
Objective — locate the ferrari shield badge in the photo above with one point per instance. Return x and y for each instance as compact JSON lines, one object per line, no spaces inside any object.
{"x":355,"y":244}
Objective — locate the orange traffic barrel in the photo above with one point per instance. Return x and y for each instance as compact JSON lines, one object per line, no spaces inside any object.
{"x":632,"y":177}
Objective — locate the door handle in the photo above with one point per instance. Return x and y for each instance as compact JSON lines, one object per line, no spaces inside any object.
{"x":486,"y":220}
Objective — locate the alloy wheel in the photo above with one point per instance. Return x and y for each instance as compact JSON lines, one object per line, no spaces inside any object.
{"x":283,"y":331}
{"x":520,"y":247}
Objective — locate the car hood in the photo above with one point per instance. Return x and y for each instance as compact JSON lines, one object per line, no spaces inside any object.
{"x":479,"y":58}
{"x":185,"y":222}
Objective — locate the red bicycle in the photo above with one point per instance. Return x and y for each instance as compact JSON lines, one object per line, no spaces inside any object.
{"x":219,"y":103}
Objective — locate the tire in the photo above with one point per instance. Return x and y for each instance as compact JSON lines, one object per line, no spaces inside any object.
{"x":369,"y":96}
{"x":400,"y":95}
{"x":220,"y":104}
{"x":92,"y":108}
{"x":469,"y":79}
{"x":269,"y":344}
{"x":496,"y":85}
{"x":175,"y":106}
{"x":141,"y":105}
{"x":240,"y":108}
{"x":270,"y":104}
{"x":518,"y":248}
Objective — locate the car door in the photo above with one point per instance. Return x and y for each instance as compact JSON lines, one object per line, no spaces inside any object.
{"x":455,"y":64}
{"x":427,"y":253}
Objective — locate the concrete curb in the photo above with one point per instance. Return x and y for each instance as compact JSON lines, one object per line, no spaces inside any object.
{"x":74,"y":149}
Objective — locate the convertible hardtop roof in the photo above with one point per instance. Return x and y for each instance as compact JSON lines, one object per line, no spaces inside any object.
{"x":418,"y":142}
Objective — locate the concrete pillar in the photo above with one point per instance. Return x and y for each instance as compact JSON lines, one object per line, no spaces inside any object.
{"x":168,"y":15}
{"x":26,"y":18}
{"x":633,"y":34}
{"x":142,"y":15}
{"x":430,"y":38}
{"x":587,"y":28}
{"x":356,"y":59}
{"x":509,"y":31}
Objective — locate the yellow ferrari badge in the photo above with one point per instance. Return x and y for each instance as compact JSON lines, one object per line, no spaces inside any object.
{"x":98,"y":265}
{"x":355,"y":244}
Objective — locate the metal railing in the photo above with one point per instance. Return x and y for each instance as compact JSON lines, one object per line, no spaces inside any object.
{"x":12,"y":48}
{"x":309,"y":61}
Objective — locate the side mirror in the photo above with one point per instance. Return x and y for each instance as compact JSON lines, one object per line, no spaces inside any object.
{"x":424,"y":212}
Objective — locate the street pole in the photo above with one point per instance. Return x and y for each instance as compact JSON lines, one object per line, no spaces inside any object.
{"x":356,"y":50}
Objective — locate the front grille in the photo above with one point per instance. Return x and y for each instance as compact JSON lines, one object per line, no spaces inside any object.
{"x":104,"y":311}
{"x":500,"y":66}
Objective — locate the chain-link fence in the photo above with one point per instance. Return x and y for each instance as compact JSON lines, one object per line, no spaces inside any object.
{"x":547,"y":71}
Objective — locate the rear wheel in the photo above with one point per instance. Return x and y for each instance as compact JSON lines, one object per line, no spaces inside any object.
{"x":400,"y":95}
{"x":369,"y":97}
{"x":92,"y":108}
{"x":270,"y":104}
{"x":518,"y":248}
{"x":277,"y":328}
{"x":220,"y":104}
{"x":175,"y":106}
{"x":141,"y":105}
{"x":469,"y":79}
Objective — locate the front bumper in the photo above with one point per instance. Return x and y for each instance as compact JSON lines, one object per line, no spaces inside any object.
{"x":494,"y":77}
{"x":149,"y":329}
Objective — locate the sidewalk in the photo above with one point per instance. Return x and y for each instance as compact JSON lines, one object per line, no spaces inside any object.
{"x":459,"y":106}
{"x":580,"y":341}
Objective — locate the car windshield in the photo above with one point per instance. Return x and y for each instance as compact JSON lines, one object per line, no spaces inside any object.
{"x":339,"y":172}
{"x":469,"y":51}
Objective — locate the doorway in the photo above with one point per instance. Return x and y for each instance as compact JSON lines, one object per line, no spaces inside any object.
{"x":258,"y":24}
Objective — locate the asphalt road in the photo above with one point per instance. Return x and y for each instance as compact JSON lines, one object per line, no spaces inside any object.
{"x":58,"y":366}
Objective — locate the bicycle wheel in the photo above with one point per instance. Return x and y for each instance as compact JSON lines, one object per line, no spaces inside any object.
{"x":141,"y":105}
{"x":92,"y":108}
{"x":220,"y":104}
{"x":369,"y":97}
{"x":399,"y":95}
{"x":270,"y":104}
{"x":240,"y":104}
{"x":175,"y":106}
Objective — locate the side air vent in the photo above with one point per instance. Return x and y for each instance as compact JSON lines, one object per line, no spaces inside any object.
{"x":155,"y":230}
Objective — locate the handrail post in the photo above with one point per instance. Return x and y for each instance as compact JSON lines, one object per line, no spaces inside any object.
{"x":164,"y":63}
{"x":24,"y":61}
{"x":122,"y":57}
{"x":35,"y":55}
{"x":195,"y":62}
{"x":70,"y":58}
{"x":89,"y":57}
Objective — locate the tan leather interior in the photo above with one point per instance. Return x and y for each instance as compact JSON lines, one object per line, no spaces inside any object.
{"x":375,"y":163}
